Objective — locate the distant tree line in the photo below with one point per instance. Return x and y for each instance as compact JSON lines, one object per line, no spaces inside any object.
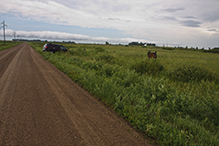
{"x":141,"y":44}
{"x":214,"y":50}
{"x":38,"y":40}
{"x":26,"y":40}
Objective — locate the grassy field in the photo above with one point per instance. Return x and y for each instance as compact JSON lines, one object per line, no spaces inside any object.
{"x":174,"y":99}
{"x":7,"y":45}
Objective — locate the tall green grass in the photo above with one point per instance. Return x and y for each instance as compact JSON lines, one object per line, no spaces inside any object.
{"x":174,"y":99}
{"x":192,"y":72}
{"x":146,"y":66}
{"x":7,"y":45}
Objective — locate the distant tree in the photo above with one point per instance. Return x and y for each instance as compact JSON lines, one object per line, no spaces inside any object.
{"x":107,"y":43}
{"x":151,"y":44}
{"x":134,"y":43}
{"x":216,"y":48}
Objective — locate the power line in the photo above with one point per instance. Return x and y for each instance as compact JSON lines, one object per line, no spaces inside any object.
{"x":3,"y":26}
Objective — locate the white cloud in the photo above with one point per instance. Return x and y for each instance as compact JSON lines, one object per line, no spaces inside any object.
{"x":61,"y":36}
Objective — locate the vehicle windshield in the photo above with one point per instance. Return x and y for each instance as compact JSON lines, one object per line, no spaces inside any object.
{"x":63,"y":48}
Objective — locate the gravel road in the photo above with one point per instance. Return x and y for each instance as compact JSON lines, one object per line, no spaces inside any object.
{"x":40,"y":106}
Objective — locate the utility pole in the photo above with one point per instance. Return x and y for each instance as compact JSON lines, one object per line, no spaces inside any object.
{"x":14,"y":36}
{"x":3,"y":26}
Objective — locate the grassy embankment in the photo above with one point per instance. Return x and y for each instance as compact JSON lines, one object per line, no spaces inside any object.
{"x":8,"y":44}
{"x":174,"y":99}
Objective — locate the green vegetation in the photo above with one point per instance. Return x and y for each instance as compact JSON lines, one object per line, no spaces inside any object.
{"x":7,"y":45}
{"x":173,"y":99}
{"x":214,"y":50}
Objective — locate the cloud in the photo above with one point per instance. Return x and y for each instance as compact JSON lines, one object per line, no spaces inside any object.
{"x":190,"y":23}
{"x":114,"y":19}
{"x":209,"y":11}
{"x":211,"y":17}
{"x":213,"y":30}
{"x":172,"y":10}
{"x":62,"y":36}
{"x":169,"y":18}
{"x":184,"y":22}
{"x":118,"y":19}
{"x":189,"y":17}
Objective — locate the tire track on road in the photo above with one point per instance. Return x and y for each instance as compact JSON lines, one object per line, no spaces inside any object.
{"x":84,"y":129}
{"x":5,"y":84}
{"x":6,"y":56}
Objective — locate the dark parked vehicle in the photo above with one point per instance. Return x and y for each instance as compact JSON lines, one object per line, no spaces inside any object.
{"x":54,"y":48}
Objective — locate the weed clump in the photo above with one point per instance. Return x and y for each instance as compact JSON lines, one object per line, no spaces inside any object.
{"x":189,"y":72}
{"x":147,"y":66}
{"x":99,"y":49}
{"x":106,"y":57}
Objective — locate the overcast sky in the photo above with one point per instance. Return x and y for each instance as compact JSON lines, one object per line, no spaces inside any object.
{"x":173,"y":22}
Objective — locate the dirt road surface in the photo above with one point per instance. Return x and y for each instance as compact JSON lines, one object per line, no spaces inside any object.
{"x":40,"y":106}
